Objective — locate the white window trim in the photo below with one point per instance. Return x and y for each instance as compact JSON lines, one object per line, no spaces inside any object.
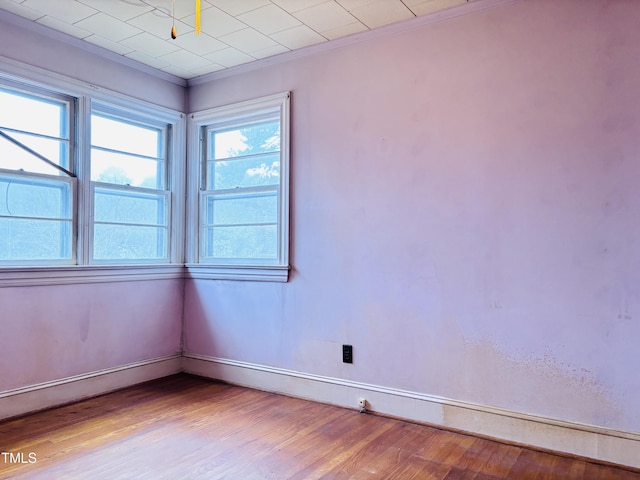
{"x":74,"y":274}
{"x":173,"y":167}
{"x":83,"y":272}
{"x":197,"y":121}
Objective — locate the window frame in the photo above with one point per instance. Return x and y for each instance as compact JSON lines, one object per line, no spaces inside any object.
{"x":19,"y":76}
{"x":125,"y":115}
{"x":66,"y":172}
{"x":237,"y":114}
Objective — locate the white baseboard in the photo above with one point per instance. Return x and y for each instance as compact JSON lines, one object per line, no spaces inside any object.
{"x":29,"y":399}
{"x":599,"y":443}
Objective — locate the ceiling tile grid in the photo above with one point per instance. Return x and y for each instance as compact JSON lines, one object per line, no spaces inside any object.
{"x":233,"y":32}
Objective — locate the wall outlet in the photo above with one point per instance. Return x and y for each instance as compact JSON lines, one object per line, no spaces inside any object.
{"x":347,"y":354}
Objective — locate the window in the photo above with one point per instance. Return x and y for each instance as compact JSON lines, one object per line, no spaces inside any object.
{"x":37,"y":184}
{"x":92,"y":183}
{"x":243,"y":214}
{"x":131,"y":202}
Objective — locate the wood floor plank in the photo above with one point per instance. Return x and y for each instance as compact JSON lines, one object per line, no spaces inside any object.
{"x":184,"y":427}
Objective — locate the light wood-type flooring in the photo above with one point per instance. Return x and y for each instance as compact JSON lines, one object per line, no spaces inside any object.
{"x":183,"y":427}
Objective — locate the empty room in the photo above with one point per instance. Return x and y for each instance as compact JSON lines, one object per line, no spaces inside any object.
{"x":274,"y":239}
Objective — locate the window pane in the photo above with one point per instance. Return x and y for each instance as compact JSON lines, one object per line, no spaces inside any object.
{"x":116,"y":206}
{"x":33,"y":114}
{"x":126,"y":137}
{"x":123,"y":169}
{"x":28,"y":239}
{"x":263,"y":137}
{"x":249,"y":242}
{"x":244,"y":172}
{"x":34,"y":198}
{"x":126,"y":242}
{"x":261,"y":208}
{"x":12,"y":157}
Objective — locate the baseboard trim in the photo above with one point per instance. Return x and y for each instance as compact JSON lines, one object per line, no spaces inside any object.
{"x":606,"y":445}
{"x":44,"y":395}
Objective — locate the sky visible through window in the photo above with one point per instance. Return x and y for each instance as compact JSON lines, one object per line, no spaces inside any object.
{"x":38,"y":124}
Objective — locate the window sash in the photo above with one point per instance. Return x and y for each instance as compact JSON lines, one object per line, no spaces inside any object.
{"x":208,"y":225}
{"x":65,"y":122}
{"x":119,"y":154}
{"x":132,"y":227}
{"x":67,"y":222}
{"x":138,"y":241}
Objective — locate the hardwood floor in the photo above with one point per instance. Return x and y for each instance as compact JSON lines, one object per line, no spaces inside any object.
{"x":183,"y":427}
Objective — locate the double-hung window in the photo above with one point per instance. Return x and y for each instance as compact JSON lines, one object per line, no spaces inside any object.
{"x":243,"y":214}
{"x":37,"y":183}
{"x":92,"y":184}
{"x":131,"y":200}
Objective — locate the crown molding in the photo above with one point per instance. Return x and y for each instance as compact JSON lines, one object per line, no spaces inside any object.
{"x":37,"y":28}
{"x":386,"y":31}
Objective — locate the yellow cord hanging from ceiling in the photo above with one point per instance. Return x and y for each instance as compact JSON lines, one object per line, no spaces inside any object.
{"x":197,"y":17}
{"x":174,"y":32}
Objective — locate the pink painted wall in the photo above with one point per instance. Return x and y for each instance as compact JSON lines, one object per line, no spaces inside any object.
{"x":464,"y":212}
{"x":54,"y":332}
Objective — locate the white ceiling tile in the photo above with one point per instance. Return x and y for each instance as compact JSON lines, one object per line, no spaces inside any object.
{"x":69,"y":12}
{"x":184,"y":8}
{"x":108,"y":44}
{"x":185,"y":59}
{"x":21,"y":10}
{"x":212,"y":67}
{"x":296,"y":5}
{"x":147,"y":60}
{"x":122,"y":10}
{"x":269,"y":51}
{"x":233,"y":31}
{"x":325,"y":16}
{"x":237,"y":7}
{"x":344,"y":30}
{"x":351,"y":4}
{"x":159,"y":25}
{"x":382,"y":12}
{"x":229,"y":57}
{"x":149,"y":44}
{"x":269,"y":19}
{"x":199,"y":44}
{"x":64,"y":27}
{"x":177,"y":71}
{"x":108,"y":27}
{"x":216,"y":21}
{"x":430,"y":6}
{"x":248,"y":40}
{"x":298,"y":37}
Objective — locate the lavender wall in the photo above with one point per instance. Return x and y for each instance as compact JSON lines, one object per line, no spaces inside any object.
{"x":54,"y":332}
{"x":51,"y":332}
{"x":464,"y":212}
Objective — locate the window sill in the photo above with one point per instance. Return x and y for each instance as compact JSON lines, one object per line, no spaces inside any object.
{"x":73,"y":274}
{"x":238,"y":272}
